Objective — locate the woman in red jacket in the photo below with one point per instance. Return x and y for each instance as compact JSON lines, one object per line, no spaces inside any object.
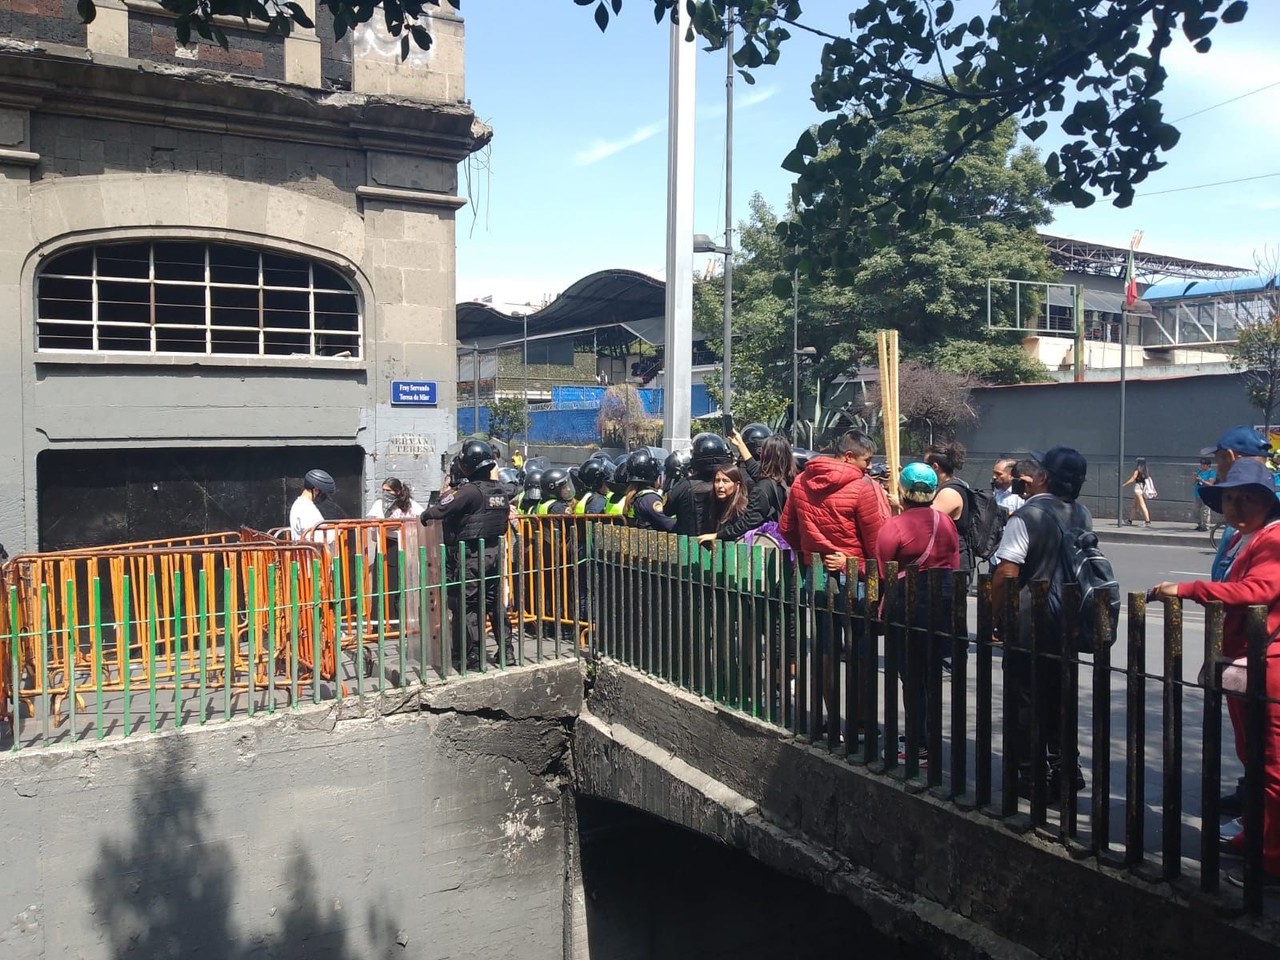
{"x":1248,"y":503}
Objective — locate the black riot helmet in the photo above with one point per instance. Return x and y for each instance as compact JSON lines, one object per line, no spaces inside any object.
{"x":554,"y":484}
{"x":709,"y":453}
{"x":621,"y":477}
{"x":753,"y":437}
{"x":595,"y":472}
{"x":476,"y":458}
{"x":533,"y":484}
{"x":674,"y":467}
{"x":642,"y":467}
{"x":802,"y":457}
{"x":508,"y":475}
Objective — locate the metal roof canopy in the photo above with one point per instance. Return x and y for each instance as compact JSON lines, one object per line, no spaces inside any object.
{"x":1081,"y":256}
{"x":1236,"y":287}
{"x":623,"y":298}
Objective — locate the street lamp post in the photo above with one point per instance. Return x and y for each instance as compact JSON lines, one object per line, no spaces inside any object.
{"x":796,"y":354}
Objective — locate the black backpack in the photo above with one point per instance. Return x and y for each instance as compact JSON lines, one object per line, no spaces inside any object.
{"x":983,"y":520}
{"x":1086,"y":565}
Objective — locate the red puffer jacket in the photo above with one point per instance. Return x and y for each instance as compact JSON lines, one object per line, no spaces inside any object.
{"x":834,"y":508}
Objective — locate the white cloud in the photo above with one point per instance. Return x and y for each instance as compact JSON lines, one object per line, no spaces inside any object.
{"x":603,"y":149}
{"x":753,"y":98}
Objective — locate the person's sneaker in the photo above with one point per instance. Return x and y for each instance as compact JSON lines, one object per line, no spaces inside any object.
{"x":1231,"y":829}
{"x":1235,"y":877}
{"x":922,"y":753}
{"x":1232,"y":847}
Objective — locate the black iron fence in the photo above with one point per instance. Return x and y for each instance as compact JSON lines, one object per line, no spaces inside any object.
{"x":889,"y":672}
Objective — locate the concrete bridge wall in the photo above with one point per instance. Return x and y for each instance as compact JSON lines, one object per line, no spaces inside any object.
{"x":927,"y":874}
{"x":432,"y":827}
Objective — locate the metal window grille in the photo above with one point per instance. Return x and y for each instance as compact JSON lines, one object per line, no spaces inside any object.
{"x":190,"y":298}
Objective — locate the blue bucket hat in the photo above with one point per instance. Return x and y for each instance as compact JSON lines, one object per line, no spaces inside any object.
{"x":1243,"y":440}
{"x":1243,"y":473}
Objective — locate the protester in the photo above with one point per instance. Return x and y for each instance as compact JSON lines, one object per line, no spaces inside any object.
{"x":1247,"y":501}
{"x":1031,"y":550}
{"x":953,"y":493}
{"x":1002,"y":485}
{"x":476,"y":513}
{"x":836,"y":511}
{"x":728,"y":505}
{"x":395,"y":503}
{"x":1204,"y":477}
{"x":1139,"y":479}
{"x":928,"y":540}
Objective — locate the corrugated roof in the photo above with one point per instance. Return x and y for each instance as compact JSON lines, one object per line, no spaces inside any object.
{"x":1182,"y":289}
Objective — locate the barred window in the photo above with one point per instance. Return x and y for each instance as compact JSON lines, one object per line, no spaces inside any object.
{"x":182,"y":297}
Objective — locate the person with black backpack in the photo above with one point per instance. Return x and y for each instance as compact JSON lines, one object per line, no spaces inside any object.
{"x":1035,"y":546}
{"x":978,"y":518}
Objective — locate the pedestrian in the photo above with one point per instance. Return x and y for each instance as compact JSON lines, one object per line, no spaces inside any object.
{"x":1204,"y":477}
{"x":1031,"y":550}
{"x":1246,"y":498}
{"x":395,"y":503}
{"x":474,"y":520}
{"x":836,"y":511}
{"x":1002,"y":485}
{"x":928,"y":540}
{"x":1142,"y":489}
{"x":304,"y":514}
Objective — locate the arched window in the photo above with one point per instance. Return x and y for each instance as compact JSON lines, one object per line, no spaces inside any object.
{"x":188,"y":298}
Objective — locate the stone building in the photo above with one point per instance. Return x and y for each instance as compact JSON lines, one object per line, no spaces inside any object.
{"x":214,"y":265}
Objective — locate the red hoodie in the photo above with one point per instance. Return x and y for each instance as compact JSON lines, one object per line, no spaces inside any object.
{"x":834,"y":508}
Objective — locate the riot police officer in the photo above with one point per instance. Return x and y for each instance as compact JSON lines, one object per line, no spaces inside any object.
{"x":673,"y":468}
{"x":689,"y":500}
{"x":595,"y":475}
{"x":748,"y":442}
{"x":557,"y":493}
{"x":528,"y":501}
{"x":643,"y":503}
{"x":475,"y":513}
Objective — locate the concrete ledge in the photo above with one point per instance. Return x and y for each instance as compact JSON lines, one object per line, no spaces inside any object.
{"x":411,"y":198}
{"x":1022,"y":889}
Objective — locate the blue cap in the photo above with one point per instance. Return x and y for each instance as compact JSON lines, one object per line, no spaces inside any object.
{"x":918,"y":482}
{"x":1243,"y":440}
{"x":1243,"y":473}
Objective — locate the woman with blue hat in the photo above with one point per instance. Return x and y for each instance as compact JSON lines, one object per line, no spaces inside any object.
{"x":928,"y":540}
{"x":1251,"y":557}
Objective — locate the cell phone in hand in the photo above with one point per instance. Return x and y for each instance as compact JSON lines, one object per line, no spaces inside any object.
{"x":726,"y":423}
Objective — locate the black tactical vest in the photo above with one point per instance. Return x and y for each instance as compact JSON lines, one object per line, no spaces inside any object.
{"x":488,"y":522}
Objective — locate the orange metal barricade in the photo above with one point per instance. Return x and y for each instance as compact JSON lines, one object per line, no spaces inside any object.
{"x":133,"y":615}
{"x":545,"y":564}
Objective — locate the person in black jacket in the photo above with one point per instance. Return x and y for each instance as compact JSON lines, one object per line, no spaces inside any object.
{"x":688,"y":501}
{"x":474,"y":518}
{"x":764,"y":500}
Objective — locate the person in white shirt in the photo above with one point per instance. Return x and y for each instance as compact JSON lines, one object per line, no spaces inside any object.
{"x":1002,"y":484}
{"x":396,"y":503}
{"x":304,"y":515}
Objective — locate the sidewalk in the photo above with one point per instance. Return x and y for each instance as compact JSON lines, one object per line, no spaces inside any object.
{"x":1161,"y":533}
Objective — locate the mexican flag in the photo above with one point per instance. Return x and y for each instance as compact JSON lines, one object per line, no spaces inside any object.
{"x":1131,"y":286}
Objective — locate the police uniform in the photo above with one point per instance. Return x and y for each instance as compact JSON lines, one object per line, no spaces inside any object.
{"x":478,"y":511}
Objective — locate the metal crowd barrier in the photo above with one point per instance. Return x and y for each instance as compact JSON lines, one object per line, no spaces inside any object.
{"x":748,"y":629}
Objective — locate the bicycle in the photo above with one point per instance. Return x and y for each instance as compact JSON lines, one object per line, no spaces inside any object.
{"x":1215,"y":533}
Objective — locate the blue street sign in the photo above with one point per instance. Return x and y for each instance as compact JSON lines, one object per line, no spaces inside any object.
{"x":413,"y":393}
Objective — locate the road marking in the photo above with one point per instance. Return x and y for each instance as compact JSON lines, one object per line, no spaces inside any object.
{"x":1188,"y":573}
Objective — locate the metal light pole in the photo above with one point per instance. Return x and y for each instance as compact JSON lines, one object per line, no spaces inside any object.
{"x":795,"y":354}
{"x":725,"y":384}
{"x":475,"y":387}
{"x":1124,"y":352}
{"x":525,"y":448}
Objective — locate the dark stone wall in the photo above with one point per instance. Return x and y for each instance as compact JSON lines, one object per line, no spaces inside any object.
{"x":250,"y":52}
{"x":335,"y":56}
{"x":55,"y":21}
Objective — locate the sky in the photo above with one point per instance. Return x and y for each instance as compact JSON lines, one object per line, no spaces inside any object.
{"x":574,"y":180}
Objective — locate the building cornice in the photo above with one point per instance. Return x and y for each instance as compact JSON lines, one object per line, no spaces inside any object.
{"x":65,"y":81}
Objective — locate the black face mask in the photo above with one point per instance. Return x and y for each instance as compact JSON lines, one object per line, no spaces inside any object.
{"x":1019,"y":486}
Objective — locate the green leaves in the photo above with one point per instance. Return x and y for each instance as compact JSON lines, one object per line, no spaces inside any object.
{"x":86,"y":10}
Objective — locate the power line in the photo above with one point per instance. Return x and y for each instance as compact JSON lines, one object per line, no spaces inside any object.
{"x":1225,"y":102}
{"x":1202,"y":186}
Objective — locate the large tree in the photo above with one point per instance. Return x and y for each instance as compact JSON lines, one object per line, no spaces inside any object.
{"x":1095,"y":66}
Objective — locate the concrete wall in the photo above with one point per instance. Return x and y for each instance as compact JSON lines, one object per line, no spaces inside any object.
{"x":317,"y":835}
{"x":1167,"y":421}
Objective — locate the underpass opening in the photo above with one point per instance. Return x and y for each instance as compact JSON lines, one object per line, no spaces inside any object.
{"x":656,"y":890}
